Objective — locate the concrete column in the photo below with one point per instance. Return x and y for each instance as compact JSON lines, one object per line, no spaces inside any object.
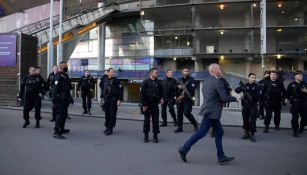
{"x":101,"y":46}
{"x":50,"y":60}
{"x":60,"y":45}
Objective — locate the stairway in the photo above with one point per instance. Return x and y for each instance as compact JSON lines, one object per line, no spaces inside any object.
{"x":8,"y":87}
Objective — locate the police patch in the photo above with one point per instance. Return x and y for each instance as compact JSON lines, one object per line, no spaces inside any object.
{"x":56,"y":82}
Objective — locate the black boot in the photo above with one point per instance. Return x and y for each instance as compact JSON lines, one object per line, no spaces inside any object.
{"x":179,"y":129}
{"x":57,"y":134}
{"x":245,"y":135}
{"x":27,"y":122}
{"x":301,"y":131}
{"x":155,"y":138}
{"x":37,"y":124}
{"x":252,"y":137}
{"x":175,"y":123}
{"x":109,"y":132}
{"x":84,"y":112}
{"x":164,"y":123}
{"x":146,"y":139}
{"x":106,"y":130}
{"x":266,"y":129}
{"x":295,"y":133}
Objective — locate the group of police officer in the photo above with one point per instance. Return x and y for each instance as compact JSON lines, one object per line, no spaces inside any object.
{"x":261,"y":100}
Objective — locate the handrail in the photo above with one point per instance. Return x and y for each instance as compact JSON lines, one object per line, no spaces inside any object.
{"x":67,"y":19}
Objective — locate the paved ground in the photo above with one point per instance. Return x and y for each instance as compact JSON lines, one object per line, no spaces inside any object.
{"x":86,"y":150}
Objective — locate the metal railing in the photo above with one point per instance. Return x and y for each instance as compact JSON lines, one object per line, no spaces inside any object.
{"x":41,"y":29}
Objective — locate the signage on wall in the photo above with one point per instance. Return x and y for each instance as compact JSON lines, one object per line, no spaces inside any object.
{"x":8,"y":50}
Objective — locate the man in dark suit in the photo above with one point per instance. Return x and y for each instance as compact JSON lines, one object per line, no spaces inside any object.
{"x":215,"y":95}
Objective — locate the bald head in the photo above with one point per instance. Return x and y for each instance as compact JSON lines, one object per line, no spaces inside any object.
{"x":215,"y":70}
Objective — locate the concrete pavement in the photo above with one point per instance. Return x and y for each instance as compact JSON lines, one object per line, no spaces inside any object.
{"x":88,"y":151}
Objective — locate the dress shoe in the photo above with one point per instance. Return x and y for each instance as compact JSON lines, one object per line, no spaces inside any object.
{"x":182,"y":154}
{"x":178,"y":130}
{"x":27,"y":122}
{"x":37,"y":124}
{"x":225,"y":159}
{"x":163,"y":124}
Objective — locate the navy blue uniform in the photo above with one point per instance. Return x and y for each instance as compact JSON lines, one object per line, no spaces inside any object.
{"x":169,"y":93}
{"x":31,"y":92}
{"x":87,"y":85}
{"x":50,"y":86}
{"x":273,"y":93}
{"x":151,"y":95}
{"x":112,"y":92}
{"x":61,"y":98}
{"x":251,"y":95}
{"x":184,"y":106}
{"x":298,"y":104}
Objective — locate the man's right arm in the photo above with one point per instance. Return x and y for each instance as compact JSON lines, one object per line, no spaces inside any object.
{"x":222,"y":93}
{"x":22,"y":88}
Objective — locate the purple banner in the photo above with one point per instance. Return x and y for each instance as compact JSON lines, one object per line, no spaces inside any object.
{"x":7,"y":50}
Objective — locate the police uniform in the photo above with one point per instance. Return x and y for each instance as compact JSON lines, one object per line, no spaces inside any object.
{"x":184,"y":106}
{"x":251,"y":94}
{"x":273,"y":93}
{"x":151,"y":95}
{"x":50,"y":85}
{"x":261,"y":101}
{"x":86,"y":84}
{"x":61,"y":98}
{"x":31,"y":92}
{"x":112,"y":92}
{"x":169,"y":93}
{"x":298,"y":106}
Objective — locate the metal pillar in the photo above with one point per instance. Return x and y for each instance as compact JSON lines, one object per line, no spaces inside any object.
{"x":101,"y":51}
{"x":50,"y":44}
{"x":60,"y":45}
{"x":263,"y":32}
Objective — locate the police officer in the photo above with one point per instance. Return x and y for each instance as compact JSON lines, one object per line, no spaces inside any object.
{"x":185,"y":94}
{"x":169,"y":91}
{"x":61,"y":98}
{"x":297,"y":93}
{"x":50,"y":85}
{"x":30,"y":92}
{"x":151,"y":95}
{"x":273,"y":93}
{"x":101,"y":85}
{"x":113,"y":94}
{"x":261,"y":101}
{"x":251,"y":94}
{"x":87,"y":85}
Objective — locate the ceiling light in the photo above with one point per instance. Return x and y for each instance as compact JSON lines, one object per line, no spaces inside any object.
{"x":279,"y":5}
{"x":255,"y":5}
{"x":175,"y":59}
{"x":142,"y":13}
{"x":188,"y":43}
{"x":176,"y":37}
{"x":222,"y":32}
{"x":278,"y":56}
{"x":279,"y":30}
{"x":222,"y":57}
{"x":222,"y":6}
{"x":295,"y":19}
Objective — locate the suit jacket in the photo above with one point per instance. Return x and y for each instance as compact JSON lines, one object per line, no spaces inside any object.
{"x":214,"y":93}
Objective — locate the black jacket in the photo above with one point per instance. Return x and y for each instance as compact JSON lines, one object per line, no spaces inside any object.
{"x":251,"y":93}
{"x":62,"y":87}
{"x":31,"y":85}
{"x":151,"y":92}
{"x":169,"y":88}
{"x":86,"y":83}
{"x":189,"y":84}
{"x":295,"y":93}
{"x":112,"y":88}
{"x":273,"y":91}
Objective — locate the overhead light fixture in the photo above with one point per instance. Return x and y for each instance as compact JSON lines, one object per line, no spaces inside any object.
{"x":254,"y":5}
{"x":222,"y":6}
{"x":283,"y":12}
{"x":222,"y":32}
{"x":279,"y":5}
{"x":305,"y":49}
{"x":188,"y":43}
{"x":278,"y":56}
{"x":222,"y":57}
{"x":175,"y":59}
{"x":279,"y":30}
{"x":295,"y":19}
{"x":176,"y":37}
{"x":142,"y":13}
